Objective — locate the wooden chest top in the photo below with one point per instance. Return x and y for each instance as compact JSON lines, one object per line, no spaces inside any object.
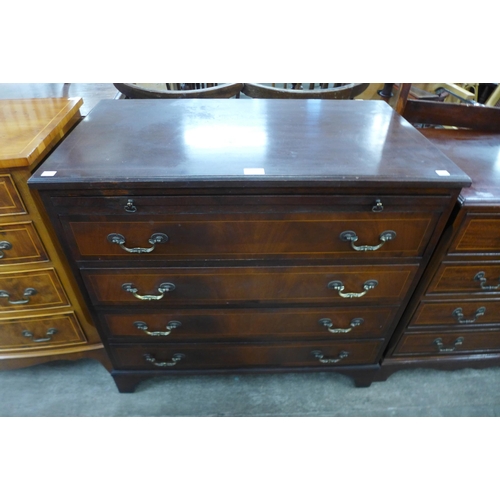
{"x":478,"y":154}
{"x":28,"y":126}
{"x":246,"y":142}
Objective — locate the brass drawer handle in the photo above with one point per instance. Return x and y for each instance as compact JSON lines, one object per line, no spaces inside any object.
{"x":339,"y":286}
{"x":378,"y":206}
{"x":481,"y":277}
{"x":155,"y":239}
{"x":353,"y":237}
{"x":28,"y":292}
{"x":49,"y":333}
{"x":163,"y":289}
{"x":130,"y":207}
{"x":175,"y":359}
{"x":172,"y":325}
{"x":457,"y":343}
{"x":4,"y":245}
{"x":321,"y":357}
{"x":327,"y":322}
{"x":459,"y":315}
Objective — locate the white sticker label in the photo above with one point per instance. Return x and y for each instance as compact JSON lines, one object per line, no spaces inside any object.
{"x":443,"y":173}
{"x":254,"y":171}
{"x":48,"y":173}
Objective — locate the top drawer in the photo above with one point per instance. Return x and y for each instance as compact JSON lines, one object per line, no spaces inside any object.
{"x":228,"y":227}
{"x":479,"y":233}
{"x":10,"y":200}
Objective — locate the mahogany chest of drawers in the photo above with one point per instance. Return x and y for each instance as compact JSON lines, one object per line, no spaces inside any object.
{"x":42,"y":314}
{"x":247,"y":235}
{"x":453,"y":321}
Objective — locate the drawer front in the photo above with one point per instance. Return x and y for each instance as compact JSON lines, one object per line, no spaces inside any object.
{"x":261,"y":325}
{"x":243,"y":236}
{"x":30,"y":290}
{"x":135,"y":206}
{"x":10,"y":200}
{"x":40,"y":332}
{"x":227,"y":355}
{"x":162,"y":287}
{"x":454,"y":278}
{"x":478,"y":234}
{"x":459,"y":313}
{"x":20,"y":244}
{"x":448,"y":343}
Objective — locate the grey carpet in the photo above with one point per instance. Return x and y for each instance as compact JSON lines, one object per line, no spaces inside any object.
{"x":85,"y":389}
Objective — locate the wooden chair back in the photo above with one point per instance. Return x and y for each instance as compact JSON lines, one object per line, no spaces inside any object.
{"x":304,"y":90}
{"x":180,"y":90}
{"x":470,"y":116}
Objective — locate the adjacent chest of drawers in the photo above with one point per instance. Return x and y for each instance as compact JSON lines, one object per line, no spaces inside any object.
{"x":42,"y":314}
{"x":454,"y":319}
{"x":247,"y":235}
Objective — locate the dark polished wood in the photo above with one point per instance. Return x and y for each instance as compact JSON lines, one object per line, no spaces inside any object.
{"x":476,"y":117}
{"x":253,"y":197}
{"x":256,"y":285}
{"x":238,"y":325}
{"x":211,"y":143}
{"x":439,"y":343}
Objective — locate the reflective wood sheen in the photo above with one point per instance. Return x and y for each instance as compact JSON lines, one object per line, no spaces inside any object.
{"x":210,"y":141}
{"x":28,"y":126}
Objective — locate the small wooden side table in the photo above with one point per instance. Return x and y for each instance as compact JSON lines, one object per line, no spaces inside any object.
{"x":42,"y":315}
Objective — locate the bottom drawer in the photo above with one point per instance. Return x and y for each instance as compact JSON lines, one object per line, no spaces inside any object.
{"x":219,"y":356}
{"x":40,"y":331}
{"x":448,"y":343}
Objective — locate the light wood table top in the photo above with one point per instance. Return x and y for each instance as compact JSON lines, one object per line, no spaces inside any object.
{"x":29,"y":126}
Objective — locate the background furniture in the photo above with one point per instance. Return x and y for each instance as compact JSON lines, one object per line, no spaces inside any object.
{"x":260,"y":236}
{"x":453,"y":321}
{"x":180,"y":90}
{"x":42,"y":315}
{"x":304,"y":90}
{"x":91,"y":93}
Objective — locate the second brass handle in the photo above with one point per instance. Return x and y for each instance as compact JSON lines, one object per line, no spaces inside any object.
{"x":163,"y":289}
{"x":481,"y":277}
{"x":327,"y":322}
{"x":4,"y":245}
{"x":352,"y":237}
{"x":441,"y":348}
{"x":155,"y":239}
{"x":172,"y":325}
{"x":321,"y":357}
{"x":49,"y":333}
{"x":28,"y":292}
{"x":175,"y":359}
{"x":459,"y":315}
{"x":339,"y":286}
